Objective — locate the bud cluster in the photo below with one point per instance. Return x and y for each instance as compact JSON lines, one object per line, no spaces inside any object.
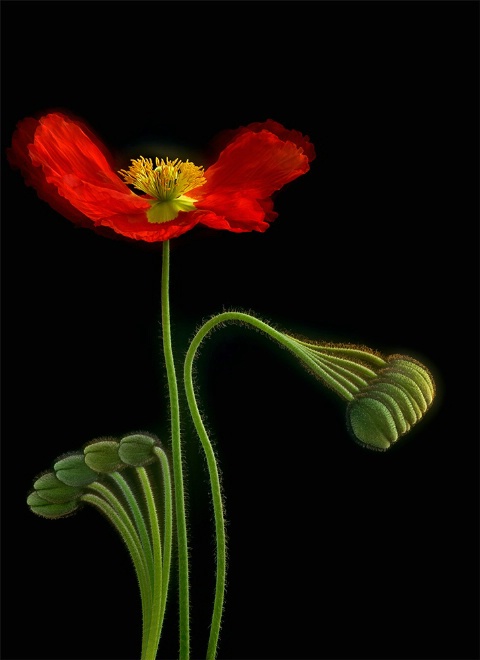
{"x":57,"y":493}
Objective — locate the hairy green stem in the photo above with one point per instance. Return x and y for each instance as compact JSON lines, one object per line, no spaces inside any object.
{"x":138,"y":518}
{"x":155,"y":616}
{"x":221,"y":545}
{"x":215,"y":485}
{"x":181,"y":522}
{"x":168,"y":526}
{"x":111,"y":508}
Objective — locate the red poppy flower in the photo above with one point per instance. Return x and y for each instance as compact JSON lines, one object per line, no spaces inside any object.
{"x":71,"y":170}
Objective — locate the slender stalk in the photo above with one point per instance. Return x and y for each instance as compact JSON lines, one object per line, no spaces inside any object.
{"x":215,"y":485}
{"x":218,"y":509}
{"x":124,"y":486}
{"x":181,"y":522}
{"x":156,"y":620}
{"x":168,"y":527}
{"x":216,"y":491}
{"x":113,"y":510}
{"x":146,"y":546}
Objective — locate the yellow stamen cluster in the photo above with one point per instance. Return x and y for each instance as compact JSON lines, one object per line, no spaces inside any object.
{"x":167,"y":180}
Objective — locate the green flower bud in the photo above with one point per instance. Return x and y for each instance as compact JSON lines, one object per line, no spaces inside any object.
{"x":49,"y":509}
{"x":73,"y":471}
{"x":137,"y":449}
{"x":372,"y":422}
{"x":390,"y":404}
{"x":50,"y":488}
{"x":102,"y":455}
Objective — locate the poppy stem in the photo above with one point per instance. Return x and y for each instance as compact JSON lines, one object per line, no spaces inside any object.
{"x":181,"y":523}
{"x":216,"y":490}
{"x":158,"y":587}
{"x":168,"y":527}
{"x":106,"y":502}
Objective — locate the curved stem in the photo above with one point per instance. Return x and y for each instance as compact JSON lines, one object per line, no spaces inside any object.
{"x":314,"y":356}
{"x":216,"y":491}
{"x":181,"y":525}
{"x":218,"y":509}
{"x":141,"y":527}
{"x":155,"y":614}
{"x":242,"y":317}
{"x":125,"y":489}
{"x":104,"y":500}
{"x":168,"y":527}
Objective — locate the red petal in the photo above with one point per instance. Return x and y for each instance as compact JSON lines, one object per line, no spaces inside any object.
{"x":19,"y":157}
{"x":255,"y":164}
{"x":151,"y":233}
{"x":235,"y":212}
{"x":247,"y":172}
{"x":301,"y":141}
{"x":264,"y":215}
{"x":77,"y":167}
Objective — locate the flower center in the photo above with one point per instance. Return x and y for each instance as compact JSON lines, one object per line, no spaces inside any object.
{"x":166,"y":182}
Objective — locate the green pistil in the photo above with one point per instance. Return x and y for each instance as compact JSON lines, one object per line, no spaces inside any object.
{"x":164,"y":211}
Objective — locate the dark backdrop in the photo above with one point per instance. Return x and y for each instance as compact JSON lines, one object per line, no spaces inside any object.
{"x":334,"y":551}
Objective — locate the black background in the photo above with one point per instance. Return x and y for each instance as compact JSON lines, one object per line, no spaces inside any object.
{"x":334,"y":551}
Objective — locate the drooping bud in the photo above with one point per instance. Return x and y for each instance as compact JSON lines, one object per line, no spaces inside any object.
{"x":391,"y":403}
{"x":50,"y":488}
{"x":73,"y":471}
{"x":102,"y":455}
{"x":136,"y":449}
{"x":386,"y":395}
{"x":50,"y":509}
